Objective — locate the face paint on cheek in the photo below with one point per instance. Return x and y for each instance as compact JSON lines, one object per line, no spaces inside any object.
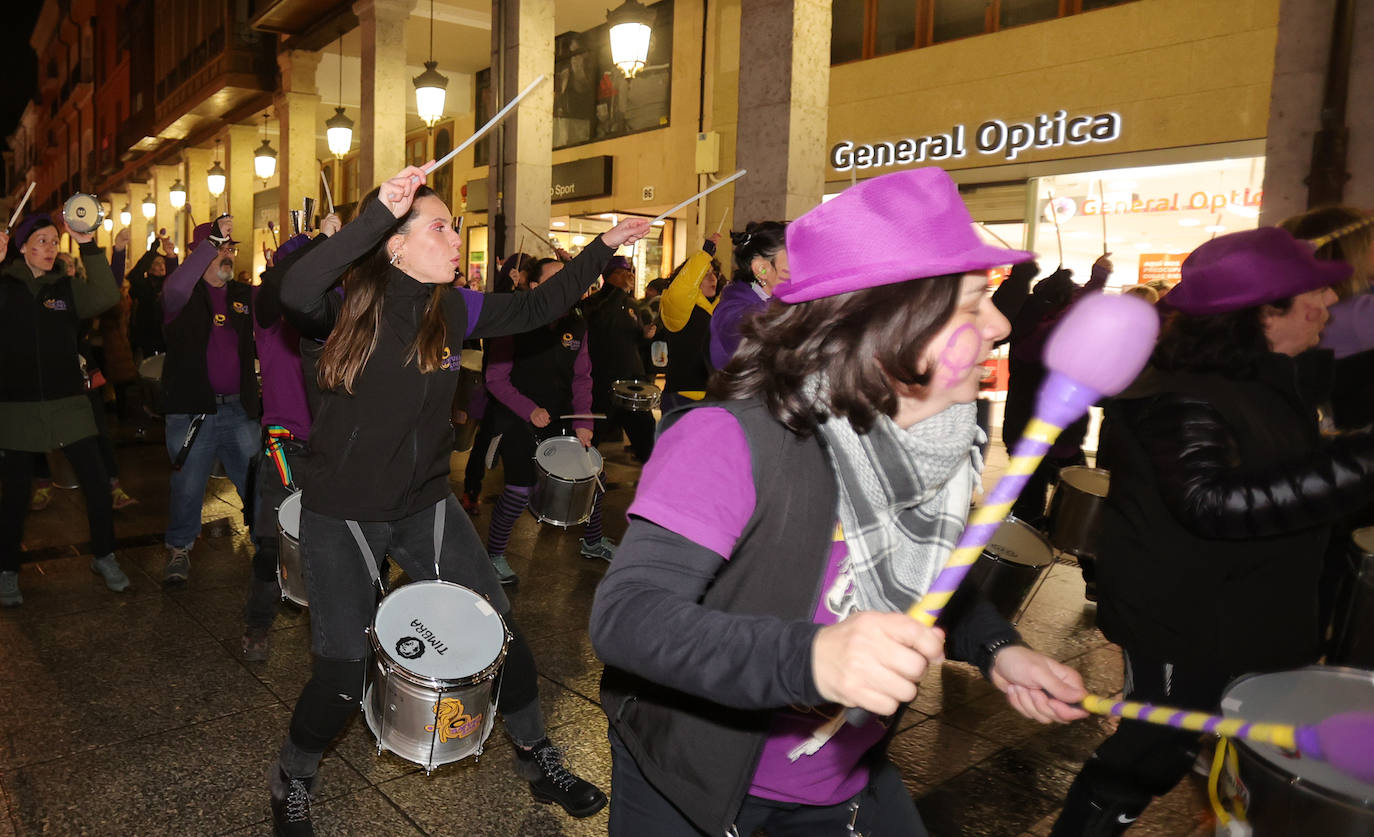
{"x":959,"y":354}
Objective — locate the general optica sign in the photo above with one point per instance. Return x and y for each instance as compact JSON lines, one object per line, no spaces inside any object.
{"x":993,"y":137}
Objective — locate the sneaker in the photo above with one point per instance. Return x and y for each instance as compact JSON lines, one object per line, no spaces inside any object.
{"x":256,"y":644}
{"x":291,"y":805}
{"x":178,"y":569}
{"x":120,"y":498}
{"x":42,"y":496}
{"x":470,"y":503}
{"x":504,"y":573}
{"x":9,"y":590}
{"x":108,"y":569}
{"x":603,"y":549}
{"x":550,"y":781}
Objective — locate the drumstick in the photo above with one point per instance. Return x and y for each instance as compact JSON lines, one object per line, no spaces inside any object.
{"x":1097,"y":349}
{"x":723,"y":216}
{"x":1345,"y":741}
{"x":328,"y":197}
{"x":1322,"y":240}
{"x":272,"y":228}
{"x":1102,"y":210}
{"x":481,"y":132}
{"x":584,"y":416}
{"x":20,"y":208}
{"x":539,"y":237}
{"x":703,"y":193}
{"x":1054,"y":213}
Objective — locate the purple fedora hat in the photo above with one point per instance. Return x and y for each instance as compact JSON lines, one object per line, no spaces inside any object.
{"x":1249,"y":268}
{"x":900,"y":226}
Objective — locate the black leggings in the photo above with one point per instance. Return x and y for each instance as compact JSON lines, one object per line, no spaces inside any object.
{"x":16,"y":483}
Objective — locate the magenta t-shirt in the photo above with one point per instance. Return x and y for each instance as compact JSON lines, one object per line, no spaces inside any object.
{"x":222,"y":352}
{"x":699,"y":484}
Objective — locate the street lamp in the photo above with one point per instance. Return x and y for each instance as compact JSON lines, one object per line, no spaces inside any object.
{"x":265,"y":157}
{"x":149,"y":206}
{"x":431,"y":84}
{"x":176,"y":196}
{"x":215,"y":177}
{"x":631,"y":25}
{"x":125,"y":216}
{"x":338,"y":129}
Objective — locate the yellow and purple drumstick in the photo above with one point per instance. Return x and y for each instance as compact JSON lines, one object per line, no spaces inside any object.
{"x":1345,"y":741}
{"x":1097,"y":349}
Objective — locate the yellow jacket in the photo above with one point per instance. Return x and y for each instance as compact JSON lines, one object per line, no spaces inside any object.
{"x":675,"y":308}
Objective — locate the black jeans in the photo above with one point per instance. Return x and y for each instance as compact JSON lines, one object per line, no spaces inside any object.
{"x":16,"y":483}
{"x":885,"y":808}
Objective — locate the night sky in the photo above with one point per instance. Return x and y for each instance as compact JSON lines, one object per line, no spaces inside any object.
{"x":18,"y":64}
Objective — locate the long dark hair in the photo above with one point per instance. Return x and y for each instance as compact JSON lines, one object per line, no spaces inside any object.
{"x":354,"y":338}
{"x":861,"y":341}
{"x":1230,"y":344}
{"x":760,"y":238}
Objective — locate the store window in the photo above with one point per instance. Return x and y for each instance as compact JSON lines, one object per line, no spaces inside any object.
{"x":895,"y":26}
{"x":847,"y":30}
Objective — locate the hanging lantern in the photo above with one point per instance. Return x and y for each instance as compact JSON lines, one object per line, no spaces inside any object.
{"x":125,"y":216}
{"x":215,"y":177}
{"x":431,"y":84}
{"x":631,"y":26}
{"x":149,"y":206}
{"x":176,"y":196}
{"x":265,"y":156}
{"x":338,"y":129}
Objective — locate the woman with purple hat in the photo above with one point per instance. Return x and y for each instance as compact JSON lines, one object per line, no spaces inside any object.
{"x":1222,"y":497}
{"x":760,"y":265}
{"x":784,"y":523}
{"x":43,"y":402}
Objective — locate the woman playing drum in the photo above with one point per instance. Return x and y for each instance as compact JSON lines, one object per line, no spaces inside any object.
{"x":377,"y":478}
{"x":738,"y":616}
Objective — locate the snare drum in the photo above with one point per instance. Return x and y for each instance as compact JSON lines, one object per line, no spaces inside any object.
{"x":290,"y":566}
{"x":83,"y":213}
{"x":430,"y":691}
{"x":1012,"y":566}
{"x":1353,"y":623}
{"x":1076,"y":509}
{"x":638,"y":396}
{"x":150,"y":377}
{"x":1283,"y":794}
{"x":566,"y":481}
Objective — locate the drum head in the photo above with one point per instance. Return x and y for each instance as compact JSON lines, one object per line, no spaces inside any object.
{"x":564,"y":457}
{"x":635,"y":389}
{"x":1304,"y":696}
{"x":83,"y":213}
{"x":289,"y":515}
{"x":438,"y":630}
{"x":1093,"y":481}
{"x":151,"y":367}
{"x":1020,"y":543}
{"x":1363,"y":539}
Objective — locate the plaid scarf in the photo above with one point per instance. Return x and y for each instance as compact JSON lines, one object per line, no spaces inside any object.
{"x":904,"y":499}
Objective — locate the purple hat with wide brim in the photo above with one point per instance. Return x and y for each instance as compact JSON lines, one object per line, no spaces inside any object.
{"x":1244,"y":269}
{"x":900,"y":226}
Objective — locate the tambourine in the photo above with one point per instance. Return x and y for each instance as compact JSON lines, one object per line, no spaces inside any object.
{"x":83,"y":213}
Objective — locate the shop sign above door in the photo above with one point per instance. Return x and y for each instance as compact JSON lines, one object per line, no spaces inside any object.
{"x":993,"y":137}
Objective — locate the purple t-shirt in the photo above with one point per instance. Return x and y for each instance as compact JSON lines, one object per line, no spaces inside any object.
{"x":709,"y":500}
{"x":1351,"y":327}
{"x":222,"y":352}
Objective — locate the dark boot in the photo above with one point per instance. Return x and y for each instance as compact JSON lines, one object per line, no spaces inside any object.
{"x":542,"y":766}
{"x":291,"y":804}
{"x":1089,"y":814}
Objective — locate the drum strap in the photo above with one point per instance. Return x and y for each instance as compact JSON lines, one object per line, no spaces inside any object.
{"x":367,"y":554}
{"x":275,"y":434}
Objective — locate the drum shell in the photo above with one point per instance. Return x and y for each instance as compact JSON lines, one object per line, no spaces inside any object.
{"x":1353,"y":624}
{"x":561,"y":501}
{"x":1075,"y":512}
{"x":469,"y":381}
{"x":150,"y":379}
{"x":397,"y":711}
{"x":1007,"y":576}
{"x":290,"y":566}
{"x":82,"y":213}
{"x":636,"y":396}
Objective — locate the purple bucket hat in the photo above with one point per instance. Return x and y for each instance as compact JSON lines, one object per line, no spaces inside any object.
{"x":1245,"y":269}
{"x":617,"y":263}
{"x":900,"y":226}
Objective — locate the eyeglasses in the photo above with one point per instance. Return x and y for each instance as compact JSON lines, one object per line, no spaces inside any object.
{"x":229,"y":250}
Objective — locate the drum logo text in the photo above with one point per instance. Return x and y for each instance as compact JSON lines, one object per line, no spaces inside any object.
{"x":453,"y":722}
{"x":428,"y":636}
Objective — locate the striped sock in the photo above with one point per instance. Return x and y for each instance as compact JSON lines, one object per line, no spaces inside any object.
{"x":592,"y":533}
{"x":513,"y":501}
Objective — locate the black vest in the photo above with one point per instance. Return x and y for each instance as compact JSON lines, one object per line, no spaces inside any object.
{"x":688,"y":362}
{"x":544,"y":359}
{"x":38,"y":341}
{"x":701,"y":755}
{"x":185,"y":376}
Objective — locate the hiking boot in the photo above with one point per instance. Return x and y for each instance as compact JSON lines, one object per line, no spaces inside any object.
{"x":178,"y":569}
{"x":256,"y":644}
{"x":9,"y":590}
{"x":42,"y":496}
{"x":470,"y":503}
{"x":504,"y":573}
{"x":603,"y":549}
{"x":108,"y":568}
{"x":291,"y":805}
{"x":120,"y":498}
{"x":542,"y":766}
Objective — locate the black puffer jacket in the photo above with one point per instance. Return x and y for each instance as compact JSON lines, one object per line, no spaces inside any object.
{"x":1221,"y":500}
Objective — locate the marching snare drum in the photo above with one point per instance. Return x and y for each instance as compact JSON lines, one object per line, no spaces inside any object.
{"x":1011,"y":567}
{"x":1076,"y":509}
{"x":1284,"y":794}
{"x":566,"y":481}
{"x":1353,"y":622}
{"x":430,"y":692}
{"x":150,"y":378}
{"x":290,"y":566}
{"x":639,"y":396}
{"x":83,"y":213}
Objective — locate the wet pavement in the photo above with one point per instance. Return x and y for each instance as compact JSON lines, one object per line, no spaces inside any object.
{"x":134,"y":714}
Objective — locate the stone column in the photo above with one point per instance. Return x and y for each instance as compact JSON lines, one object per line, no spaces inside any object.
{"x":118,"y":200}
{"x":238,"y":192}
{"x":784,"y":94}
{"x":386,"y":89}
{"x":198,"y":162}
{"x":519,"y":191}
{"x":298,"y":170}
